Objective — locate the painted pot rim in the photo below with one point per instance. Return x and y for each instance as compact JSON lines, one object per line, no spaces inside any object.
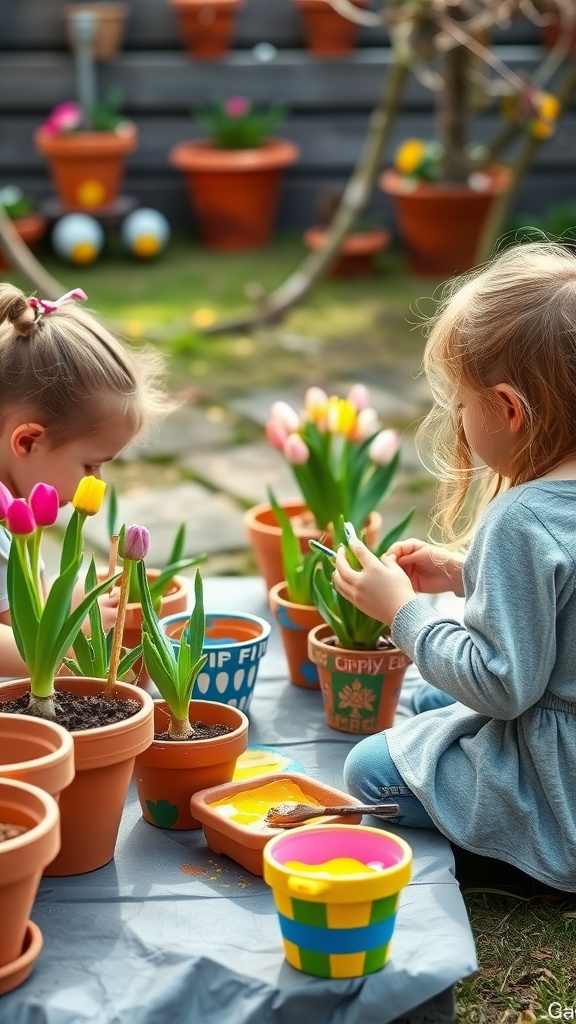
{"x":263,"y":624}
{"x":344,"y":888}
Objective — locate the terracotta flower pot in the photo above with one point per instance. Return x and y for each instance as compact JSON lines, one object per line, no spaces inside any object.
{"x":14,"y":973}
{"x":234,"y":192}
{"x":265,"y":536}
{"x":170,"y":771}
{"x":235,"y":643}
{"x":36,"y":751}
{"x":110,"y":23}
{"x":326,"y":32}
{"x":440,"y":225}
{"x":360,"y":689}
{"x":356,"y":256}
{"x":31,"y":228}
{"x":87,"y":168}
{"x":22,"y":860}
{"x":92,"y":805}
{"x":295,"y":622}
{"x":206,"y":26}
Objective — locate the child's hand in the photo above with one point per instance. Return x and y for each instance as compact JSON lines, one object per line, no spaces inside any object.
{"x":432,"y":570}
{"x":108,"y":605}
{"x":379,"y":589}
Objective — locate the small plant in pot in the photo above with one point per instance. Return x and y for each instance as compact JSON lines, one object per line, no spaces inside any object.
{"x":292,"y":603}
{"x":109,"y":723}
{"x":360,"y":670}
{"x":196,"y":743}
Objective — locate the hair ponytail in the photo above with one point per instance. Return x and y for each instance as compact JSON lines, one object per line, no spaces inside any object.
{"x":15,"y":309}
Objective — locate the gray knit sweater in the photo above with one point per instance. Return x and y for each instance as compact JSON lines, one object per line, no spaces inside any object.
{"x":497,"y":770}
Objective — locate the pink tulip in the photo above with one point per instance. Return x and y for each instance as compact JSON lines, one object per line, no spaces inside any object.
{"x":64,"y":118}
{"x":314,"y":400}
{"x":359,"y":396}
{"x":384,"y":447}
{"x":6,"y":500}
{"x":136,"y":543}
{"x":276,"y":434}
{"x":19,"y":518}
{"x":284,"y":414}
{"x":44,"y":502}
{"x":295,"y":450}
{"x":366,"y":424}
{"x":236,"y":106}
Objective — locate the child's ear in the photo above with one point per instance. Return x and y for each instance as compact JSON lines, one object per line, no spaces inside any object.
{"x":510,"y":405}
{"x":26,"y":438}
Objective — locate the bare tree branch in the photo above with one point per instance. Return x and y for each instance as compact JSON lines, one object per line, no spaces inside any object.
{"x":22,"y":259}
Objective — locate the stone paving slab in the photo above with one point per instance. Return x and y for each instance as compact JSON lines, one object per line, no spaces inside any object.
{"x":213,"y":523}
{"x":245,"y":471}
{"x":186,"y":429}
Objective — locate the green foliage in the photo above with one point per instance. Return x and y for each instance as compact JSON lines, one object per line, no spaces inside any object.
{"x":92,"y":653}
{"x":298,"y":566}
{"x":15,"y":203}
{"x":173,"y":675}
{"x":234,"y":124}
{"x":105,"y":115}
{"x":353,"y":629}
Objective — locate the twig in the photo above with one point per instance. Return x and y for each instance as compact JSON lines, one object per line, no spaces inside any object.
{"x":118,"y":630}
{"x":23,"y":260}
{"x":113,"y":557}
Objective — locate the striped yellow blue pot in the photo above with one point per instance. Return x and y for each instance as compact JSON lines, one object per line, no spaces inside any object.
{"x":336,"y":891}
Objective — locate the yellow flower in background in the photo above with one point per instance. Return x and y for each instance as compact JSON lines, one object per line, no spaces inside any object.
{"x":409,"y":156}
{"x":89,"y":496}
{"x":547,"y":112}
{"x":341,"y":417}
{"x":203,"y":317}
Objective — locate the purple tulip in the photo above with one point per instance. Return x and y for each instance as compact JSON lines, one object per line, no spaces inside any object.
{"x":136,"y":543}
{"x":44,"y":502}
{"x":6,"y":500}
{"x":19,"y":518}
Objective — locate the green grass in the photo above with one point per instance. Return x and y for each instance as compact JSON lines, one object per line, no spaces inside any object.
{"x":525,"y":945}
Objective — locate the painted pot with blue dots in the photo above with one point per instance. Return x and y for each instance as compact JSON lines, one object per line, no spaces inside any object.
{"x":295,"y":622}
{"x":235,"y":644}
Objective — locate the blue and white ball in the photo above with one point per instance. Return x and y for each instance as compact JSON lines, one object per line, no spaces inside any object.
{"x":145,"y":233}
{"x":78,"y":238}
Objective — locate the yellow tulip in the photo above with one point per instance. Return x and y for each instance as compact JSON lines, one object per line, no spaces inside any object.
{"x":548,"y":110}
{"x":409,"y":156}
{"x":89,"y":496}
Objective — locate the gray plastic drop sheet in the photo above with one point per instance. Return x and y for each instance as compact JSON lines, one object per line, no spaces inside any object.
{"x":171,"y":932}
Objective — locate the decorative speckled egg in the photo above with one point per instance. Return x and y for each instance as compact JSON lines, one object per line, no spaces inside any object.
{"x":78,"y":238}
{"x":145,"y":232}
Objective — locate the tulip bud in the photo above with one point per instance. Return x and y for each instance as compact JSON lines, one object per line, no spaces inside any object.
{"x":296,"y":450}
{"x":315,"y":401}
{"x":136,"y":543}
{"x":284,"y":414}
{"x":384,"y":447}
{"x":6,"y":500}
{"x":89,"y":495}
{"x":19,"y":518}
{"x":366,"y":424}
{"x":276,"y":433}
{"x":359,"y":396}
{"x":44,"y":502}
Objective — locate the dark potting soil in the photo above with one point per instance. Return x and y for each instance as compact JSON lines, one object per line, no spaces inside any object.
{"x":200,"y":731}
{"x":76,"y":712}
{"x":10,"y":831}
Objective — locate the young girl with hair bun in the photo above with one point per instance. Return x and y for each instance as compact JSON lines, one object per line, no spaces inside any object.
{"x":494,"y":768}
{"x":72,"y":396}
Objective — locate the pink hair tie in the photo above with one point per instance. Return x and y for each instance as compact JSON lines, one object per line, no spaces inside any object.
{"x":43,"y":307}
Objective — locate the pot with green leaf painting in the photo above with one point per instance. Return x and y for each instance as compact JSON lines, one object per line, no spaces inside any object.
{"x":292,"y":603}
{"x":360,"y":670}
{"x":196,"y":742}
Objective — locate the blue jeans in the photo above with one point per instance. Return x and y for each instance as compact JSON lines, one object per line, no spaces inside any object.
{"x":371,"y":775}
